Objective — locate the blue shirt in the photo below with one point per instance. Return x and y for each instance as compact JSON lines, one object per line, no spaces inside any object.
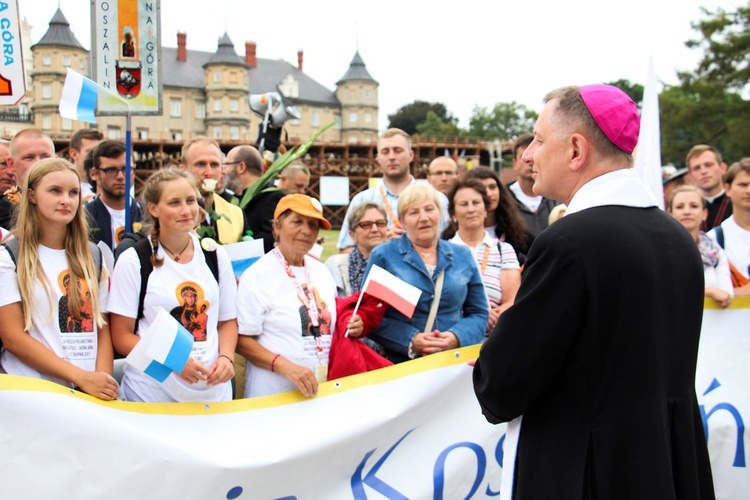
{"x":463,"y":305}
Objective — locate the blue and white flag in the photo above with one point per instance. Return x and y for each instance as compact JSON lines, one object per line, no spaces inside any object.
{"x":79,"y":96}
{"x":244,"y":254}
{"x":164,"y":347}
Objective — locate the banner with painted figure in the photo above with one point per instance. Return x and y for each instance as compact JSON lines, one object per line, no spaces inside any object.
{"x":12,"y":74}
{"x":126,"y":54}
{"x":412,"y":430}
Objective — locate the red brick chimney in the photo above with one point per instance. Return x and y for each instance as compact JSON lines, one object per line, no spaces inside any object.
{"x":299,"y":59}
{"x":181,"y":46}
{"x":250,"y":57}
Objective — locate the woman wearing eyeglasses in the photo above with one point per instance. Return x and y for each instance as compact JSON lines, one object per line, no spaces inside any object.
{"x":107,"y":211}
{"x":368,"y":223}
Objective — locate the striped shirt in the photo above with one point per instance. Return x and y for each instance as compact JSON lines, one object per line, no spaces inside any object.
{"x":492,"y":257}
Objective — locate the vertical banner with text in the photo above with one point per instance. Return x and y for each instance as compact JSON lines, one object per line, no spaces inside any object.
{"x":12,"y":75}
{"x":126,"y":42}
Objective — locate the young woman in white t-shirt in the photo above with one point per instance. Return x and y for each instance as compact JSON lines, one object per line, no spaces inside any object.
{"x":182,"y":283}
{"x":52,"y":303}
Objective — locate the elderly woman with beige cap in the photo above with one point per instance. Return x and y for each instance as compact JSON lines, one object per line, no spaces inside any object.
{"x":286,"y":306}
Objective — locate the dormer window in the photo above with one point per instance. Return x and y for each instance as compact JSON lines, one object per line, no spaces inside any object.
{"x":289,"y":87}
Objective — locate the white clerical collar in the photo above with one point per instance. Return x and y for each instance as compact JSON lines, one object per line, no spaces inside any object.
{"x":622,"y":187}
{"x":710,"y":199}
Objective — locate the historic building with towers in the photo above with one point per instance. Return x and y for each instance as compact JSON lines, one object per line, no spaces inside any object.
{"x":206,"y":93}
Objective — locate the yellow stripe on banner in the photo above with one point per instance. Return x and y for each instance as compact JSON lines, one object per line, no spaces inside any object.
{"x":431,"y":362}
{"x":737,"y":303}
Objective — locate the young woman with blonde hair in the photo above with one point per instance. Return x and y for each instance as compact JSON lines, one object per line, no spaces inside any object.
{"x":53,"y":302}
{"x":182,"y":283}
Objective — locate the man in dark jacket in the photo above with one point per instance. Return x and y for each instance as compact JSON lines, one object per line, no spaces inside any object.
{"x":594,"y":364}
{"x":534,"y":208}
{"x":107,"y":211}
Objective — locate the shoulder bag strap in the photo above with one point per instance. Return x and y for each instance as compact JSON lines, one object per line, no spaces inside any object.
{"x":435,"y":302}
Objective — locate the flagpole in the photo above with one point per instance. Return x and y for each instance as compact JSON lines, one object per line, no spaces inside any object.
{"x":128,"y":171}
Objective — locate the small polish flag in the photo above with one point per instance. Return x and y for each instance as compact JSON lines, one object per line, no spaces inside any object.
{"x":79,"y":95}
{"x":244,"y":254}
{"x":164,"y":347}
{"x":394,"y":291}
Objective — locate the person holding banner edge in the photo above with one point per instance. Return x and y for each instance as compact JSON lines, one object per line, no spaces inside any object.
{"x":444,"y":271}
{"x":279,"y":304}
{"x":53,"y":304}
{"x":181,"y":279}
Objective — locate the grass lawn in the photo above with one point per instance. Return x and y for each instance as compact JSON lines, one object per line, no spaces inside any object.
{"x":329,"y":246}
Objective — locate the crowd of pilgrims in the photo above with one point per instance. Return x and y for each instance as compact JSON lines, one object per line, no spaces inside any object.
{"x":461,"y":238}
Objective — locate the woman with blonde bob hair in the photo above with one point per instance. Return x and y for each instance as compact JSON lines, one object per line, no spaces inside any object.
{"x":53,"y":304}
{"x":439,"y":269}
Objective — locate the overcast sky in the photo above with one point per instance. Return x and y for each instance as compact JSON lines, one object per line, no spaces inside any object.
{"x":464,"y":54}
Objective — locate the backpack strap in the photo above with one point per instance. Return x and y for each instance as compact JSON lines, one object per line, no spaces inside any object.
{"x":96,"y":253}
{"x":719,"y":235}
{"x":11,"y":245}
{"x":144,"y":251}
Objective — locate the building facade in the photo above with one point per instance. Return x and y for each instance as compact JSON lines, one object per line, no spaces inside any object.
{"x":207,"y":93}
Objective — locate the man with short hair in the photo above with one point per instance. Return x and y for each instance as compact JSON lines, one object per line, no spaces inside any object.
{"x":394,"y":157}
{"x":244,"y":168}
{"x":202,"y":157}
{"x":534,"y":209}
{"x":26,"y":148}
{"x":705,"y":169}
{"x":295,"y":179}
{"x":107,"y":211}
{"x":7,"y":175}
{"x":442,"y":174}
{"x":734,"y":233}
{"x":83,"y":141}
{"x":594,"y":364}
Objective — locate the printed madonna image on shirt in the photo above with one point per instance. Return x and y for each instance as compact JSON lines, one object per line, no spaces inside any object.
{"x":192,"y":311}
{"x":69,"y":321}
{"x":126,"y":57}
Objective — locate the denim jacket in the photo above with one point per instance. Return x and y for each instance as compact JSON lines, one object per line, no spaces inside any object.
{"x":463,"y":305}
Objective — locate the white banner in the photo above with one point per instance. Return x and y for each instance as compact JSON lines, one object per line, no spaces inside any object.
{"x":412,"y":430}
{"x":722,"y":382}
{"x":12,"y":74}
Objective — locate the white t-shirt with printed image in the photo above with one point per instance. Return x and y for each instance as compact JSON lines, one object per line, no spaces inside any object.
{"x":269,"y":309}
{"x":173,"y":286}
{"x":53,"y":326}
{"x":117,"y":223}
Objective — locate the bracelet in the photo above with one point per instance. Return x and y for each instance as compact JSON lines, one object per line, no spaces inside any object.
{"x":273,"y":361}
{"x":225,"y":356}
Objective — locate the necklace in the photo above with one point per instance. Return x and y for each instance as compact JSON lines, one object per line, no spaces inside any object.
{"x":176,"y":256}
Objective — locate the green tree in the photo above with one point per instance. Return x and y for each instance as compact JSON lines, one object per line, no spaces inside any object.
{"x":707,"y":107}
{"x":407,"y":117}
{"x":506,"y":120}
{"x":435,"y":127}
{"x":634,"y":90}
{"x":725,"y":40}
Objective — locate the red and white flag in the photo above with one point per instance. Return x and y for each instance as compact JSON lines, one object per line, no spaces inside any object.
{"x":396,"y":292}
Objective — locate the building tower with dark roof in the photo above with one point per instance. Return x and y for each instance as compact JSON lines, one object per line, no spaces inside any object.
{"x":357,"y":92}
{"x":57,"y":50}
{"x":226,"y":84}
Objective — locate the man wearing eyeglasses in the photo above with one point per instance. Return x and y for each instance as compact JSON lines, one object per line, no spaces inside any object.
{"x":107,"y":211}
{"x":203,"y":158}
{"x":443,"y":174}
